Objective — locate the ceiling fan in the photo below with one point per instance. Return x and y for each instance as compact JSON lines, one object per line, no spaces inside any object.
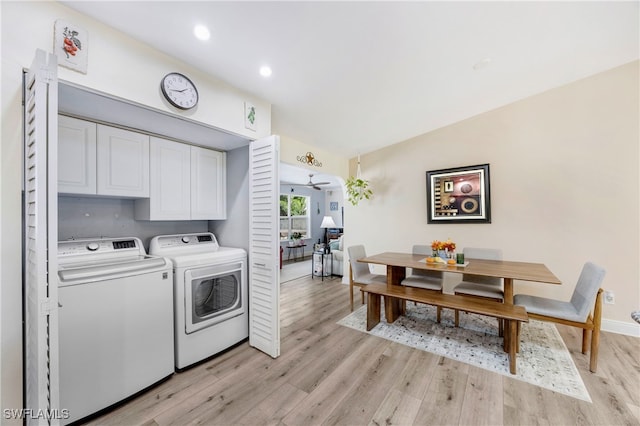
{"x":311,"y":184}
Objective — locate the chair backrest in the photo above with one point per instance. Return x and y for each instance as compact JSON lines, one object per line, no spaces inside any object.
{"x":584,"y":295}
{"x":426,"y":250}
{"x":358,"y":269}
{"x":485,"y":254}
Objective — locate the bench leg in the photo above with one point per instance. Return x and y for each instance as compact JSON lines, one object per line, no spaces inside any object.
{"x":373,"y":310}
{"x":456,"y":318}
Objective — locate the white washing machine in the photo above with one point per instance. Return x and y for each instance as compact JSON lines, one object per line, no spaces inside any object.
{"x":115,"y":322}
{"x":210,"y":294}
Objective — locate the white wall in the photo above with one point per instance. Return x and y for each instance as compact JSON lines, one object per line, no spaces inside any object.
{"x":335,"y":196}
{"x":86,"y":217}
{"x":564,"y":186}
{"x":234,"y":231}
{"x":291,"y":150}
{"x":118,"y":65}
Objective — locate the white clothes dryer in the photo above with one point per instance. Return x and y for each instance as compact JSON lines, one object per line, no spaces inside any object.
{"x":210,"y":294}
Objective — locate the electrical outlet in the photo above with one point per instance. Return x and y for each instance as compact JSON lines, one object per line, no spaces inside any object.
{"x":609,"y":298}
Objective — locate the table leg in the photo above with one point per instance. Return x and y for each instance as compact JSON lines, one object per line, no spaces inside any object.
{"x":393,"y":308}
{"x":508,"y":291}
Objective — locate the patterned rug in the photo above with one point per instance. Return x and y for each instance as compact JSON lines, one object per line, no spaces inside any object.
{"x":543,"y":359}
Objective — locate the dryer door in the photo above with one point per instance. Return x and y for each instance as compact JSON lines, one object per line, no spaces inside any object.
{"x":212,"y":294}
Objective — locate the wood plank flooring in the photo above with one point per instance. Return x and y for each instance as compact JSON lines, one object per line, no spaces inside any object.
{"x":328,"y":374}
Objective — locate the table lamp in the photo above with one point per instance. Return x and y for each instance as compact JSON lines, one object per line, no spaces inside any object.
{"x":327,"y":222}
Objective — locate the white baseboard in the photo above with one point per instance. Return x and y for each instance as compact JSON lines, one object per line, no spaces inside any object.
{"x":620,"y":327}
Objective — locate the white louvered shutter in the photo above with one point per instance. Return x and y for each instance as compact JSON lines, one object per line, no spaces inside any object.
{"x":264,"y":277}
{"x":41,"y":239}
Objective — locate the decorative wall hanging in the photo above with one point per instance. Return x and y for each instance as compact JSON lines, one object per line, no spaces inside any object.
{"x":71,"y":45}
{"x":333,"y":206}
{"x":459,"y":195}
{"x":309,"y":159}
{"x":250,"y":117}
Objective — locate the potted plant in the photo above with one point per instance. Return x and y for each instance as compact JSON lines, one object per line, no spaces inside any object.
{"x":295,"y":238}
{"x":357,"y":189}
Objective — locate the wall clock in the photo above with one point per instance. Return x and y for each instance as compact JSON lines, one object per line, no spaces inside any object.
{"x":179,"y":90}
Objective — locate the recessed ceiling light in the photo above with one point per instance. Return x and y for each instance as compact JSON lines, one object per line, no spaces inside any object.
{"x":265,"y":71}
{"x":201,"y":32}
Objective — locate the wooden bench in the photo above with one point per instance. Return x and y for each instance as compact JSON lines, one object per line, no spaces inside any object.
{"x":511,"y":314}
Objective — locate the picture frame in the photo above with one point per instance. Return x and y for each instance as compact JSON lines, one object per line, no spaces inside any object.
{"x":71,"y":45}
{"x":333,"y":205}
{"x":250,"y":116}
{"x":459,"y":195}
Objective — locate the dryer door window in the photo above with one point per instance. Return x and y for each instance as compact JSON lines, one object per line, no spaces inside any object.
{"x":212,"y":295}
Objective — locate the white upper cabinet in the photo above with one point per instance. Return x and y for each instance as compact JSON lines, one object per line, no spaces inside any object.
{"x":208,"y":184}
{"x":94,"y":159}
{"x":123,"y":162}
{"x":76,"y":156}
{"x":187,"y":183}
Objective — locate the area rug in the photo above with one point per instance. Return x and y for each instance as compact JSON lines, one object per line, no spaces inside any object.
{"x":543,"y":359}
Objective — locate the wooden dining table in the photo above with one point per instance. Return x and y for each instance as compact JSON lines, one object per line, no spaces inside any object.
{"x":507,"y":270}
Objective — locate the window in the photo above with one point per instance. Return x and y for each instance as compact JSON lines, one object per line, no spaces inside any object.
{"x":294,"y":216}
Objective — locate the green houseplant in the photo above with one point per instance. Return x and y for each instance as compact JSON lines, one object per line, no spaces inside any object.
{"x":357,"y":189}
{"x":295,"y":238}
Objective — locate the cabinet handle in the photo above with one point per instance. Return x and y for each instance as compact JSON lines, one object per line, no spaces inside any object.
{"x":264,"y":265}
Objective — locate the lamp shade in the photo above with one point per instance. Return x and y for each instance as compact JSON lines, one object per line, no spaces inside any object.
{"x":327,"y":222}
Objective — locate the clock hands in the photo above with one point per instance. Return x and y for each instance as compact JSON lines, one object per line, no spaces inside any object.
{"x":176,"y":90}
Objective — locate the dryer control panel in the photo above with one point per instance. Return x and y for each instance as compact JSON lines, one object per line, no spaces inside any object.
{"x":183,"y":243}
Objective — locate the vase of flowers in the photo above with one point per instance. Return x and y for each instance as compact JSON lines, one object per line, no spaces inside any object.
{"x":295,"y":239}
{"x":443,"y":249}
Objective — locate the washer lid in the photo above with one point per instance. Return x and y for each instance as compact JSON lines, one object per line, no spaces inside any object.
{"x":107,"y":269}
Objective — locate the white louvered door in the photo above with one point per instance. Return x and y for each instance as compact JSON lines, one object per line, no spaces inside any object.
{"x":41,"y":240}
{"x":264,"y":277}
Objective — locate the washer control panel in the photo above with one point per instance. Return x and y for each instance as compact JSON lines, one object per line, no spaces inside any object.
{"x":102,"y":246}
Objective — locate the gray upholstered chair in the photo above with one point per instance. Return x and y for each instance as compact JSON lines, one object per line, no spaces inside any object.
{"x":360,"y":273}
{"x":577,"y":311}
{"x":429,"y":280}
{"x":479,"y":286}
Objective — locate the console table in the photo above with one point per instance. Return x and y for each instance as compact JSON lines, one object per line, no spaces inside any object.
{"x":295,"y":251}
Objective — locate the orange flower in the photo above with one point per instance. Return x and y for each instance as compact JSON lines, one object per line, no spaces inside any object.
{"x":443,"y":245}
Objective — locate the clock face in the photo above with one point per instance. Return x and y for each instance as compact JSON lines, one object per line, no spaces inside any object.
{"x":179,"y":91}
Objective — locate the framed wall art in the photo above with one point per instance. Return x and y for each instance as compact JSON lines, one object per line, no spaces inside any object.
{"x":71,"y":45}
{"x":250,"y":116}
{"x":459,"y":195}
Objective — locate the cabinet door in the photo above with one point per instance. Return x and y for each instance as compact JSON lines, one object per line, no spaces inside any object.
{"x":169,"y":186}
{"x":76,"y":156}
{"x":123,"y":163}
{"x":208,"y":184}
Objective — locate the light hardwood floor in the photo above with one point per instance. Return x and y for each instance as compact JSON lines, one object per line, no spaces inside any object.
{"x":329,"y":374}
